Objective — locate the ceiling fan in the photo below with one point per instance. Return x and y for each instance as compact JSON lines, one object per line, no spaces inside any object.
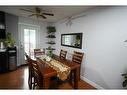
{"x":70,"y":19}
{"x":38,"y":12}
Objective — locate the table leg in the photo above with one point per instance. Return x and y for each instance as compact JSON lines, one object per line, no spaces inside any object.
{"x":76,"y":78}
{"x":46,"y":83}
{"x":71,"y":78}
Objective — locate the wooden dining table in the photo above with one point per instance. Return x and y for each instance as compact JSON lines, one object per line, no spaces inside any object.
{"x":47,"y":72}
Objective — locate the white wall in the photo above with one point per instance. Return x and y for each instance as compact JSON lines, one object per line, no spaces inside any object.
{"x":104,"y":32}
{"x":12,"y":27}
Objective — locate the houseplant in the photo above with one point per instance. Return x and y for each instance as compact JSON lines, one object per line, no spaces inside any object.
{"x":51,"y":35}
{"x":10,"y":42}
{"x":125,"y":80}
{"x":50,"y":52}
{"x":51,"y":29}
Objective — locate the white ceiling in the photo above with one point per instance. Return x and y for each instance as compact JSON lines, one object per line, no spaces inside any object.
{"x":60,"y":12}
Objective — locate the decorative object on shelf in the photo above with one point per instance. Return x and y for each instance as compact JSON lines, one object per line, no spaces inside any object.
{"x":50,"y":48}
{"x":10,"y":41}
{"x":124,"y":84}
{"x":51,"y":29}
{"x":51,"y":35}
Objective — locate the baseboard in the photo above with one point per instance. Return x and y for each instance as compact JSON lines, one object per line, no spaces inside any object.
{"x":22,"y":65}
{"x":91,"y":83}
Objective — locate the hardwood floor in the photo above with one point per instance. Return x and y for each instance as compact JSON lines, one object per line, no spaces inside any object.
{"x":18,"y":79}
{"x":15,"y":79}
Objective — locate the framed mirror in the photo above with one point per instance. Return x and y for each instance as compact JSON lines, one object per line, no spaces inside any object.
{"x":72,"y":40}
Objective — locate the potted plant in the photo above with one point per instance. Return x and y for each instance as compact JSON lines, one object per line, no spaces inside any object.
{"x":50,"y":52}
{"x":51,"y":29}
{"x":124,"y":84}
{"x":10,"y":41}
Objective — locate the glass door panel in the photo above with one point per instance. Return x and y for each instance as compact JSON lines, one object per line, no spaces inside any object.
{"x":29,"y":41}
{"x":32,"y":42}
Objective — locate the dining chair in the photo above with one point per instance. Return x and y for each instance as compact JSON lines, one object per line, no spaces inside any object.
{"x":37,"y":75}
{"x":77,"y":57}
{"x":35,"y":79}
{"x":31,"y":80}
{"x":38,"y":52}
{"x":63,"y":54}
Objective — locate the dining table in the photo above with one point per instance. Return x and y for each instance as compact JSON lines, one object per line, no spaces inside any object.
{"x":47,"y":71}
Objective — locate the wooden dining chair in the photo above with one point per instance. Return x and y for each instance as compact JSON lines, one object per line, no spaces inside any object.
{"x":63,"y":54}
{"x":37,"y":75}
{"x":31,"y":80}
{"x":76,"y":58}
{"x":38,"y":52}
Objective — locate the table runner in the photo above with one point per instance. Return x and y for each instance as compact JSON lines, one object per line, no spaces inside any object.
{"x":62,"y":70}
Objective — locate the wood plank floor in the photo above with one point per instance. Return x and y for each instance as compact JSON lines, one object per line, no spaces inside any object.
{"x":18,"y":79}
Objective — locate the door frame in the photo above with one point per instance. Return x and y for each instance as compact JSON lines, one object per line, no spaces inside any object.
{"x":21,"y":27}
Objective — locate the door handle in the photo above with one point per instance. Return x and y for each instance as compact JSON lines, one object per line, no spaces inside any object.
{"x":21,"y":45}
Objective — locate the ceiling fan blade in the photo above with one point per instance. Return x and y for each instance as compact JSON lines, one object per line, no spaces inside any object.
{"x":31,"y":15}
{"x":43,"y":16}
{"x":27,"y":10}
{"x":48,"y":14}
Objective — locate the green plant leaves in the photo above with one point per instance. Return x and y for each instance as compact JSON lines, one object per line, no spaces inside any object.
{"x":51,"y":29}
{"x":10,"y":41}
{"x":124,"y":84}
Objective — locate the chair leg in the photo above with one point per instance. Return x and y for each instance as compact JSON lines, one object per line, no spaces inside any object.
{"x":34,"y":84}
{"x":30,"y":83}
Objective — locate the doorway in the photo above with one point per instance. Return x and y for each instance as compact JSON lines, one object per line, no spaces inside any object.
{"x":29,"y":40}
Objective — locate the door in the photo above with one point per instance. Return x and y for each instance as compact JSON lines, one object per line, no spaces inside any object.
{"x":29,"y":40}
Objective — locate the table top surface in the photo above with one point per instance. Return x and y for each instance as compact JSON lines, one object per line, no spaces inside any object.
{"x":47,"y":71}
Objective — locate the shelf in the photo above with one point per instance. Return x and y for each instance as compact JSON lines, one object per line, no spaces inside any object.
{"x":50,"y":49}
{"x":50,"y":43}
{"x":50,"y":36}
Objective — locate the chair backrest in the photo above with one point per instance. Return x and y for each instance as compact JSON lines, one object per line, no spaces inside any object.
{"x":38,"y":52}
{"x":29,"y":61}
{"x":63,"y":54}
{"x":37,"y":74}
{"x":77,"y":57}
